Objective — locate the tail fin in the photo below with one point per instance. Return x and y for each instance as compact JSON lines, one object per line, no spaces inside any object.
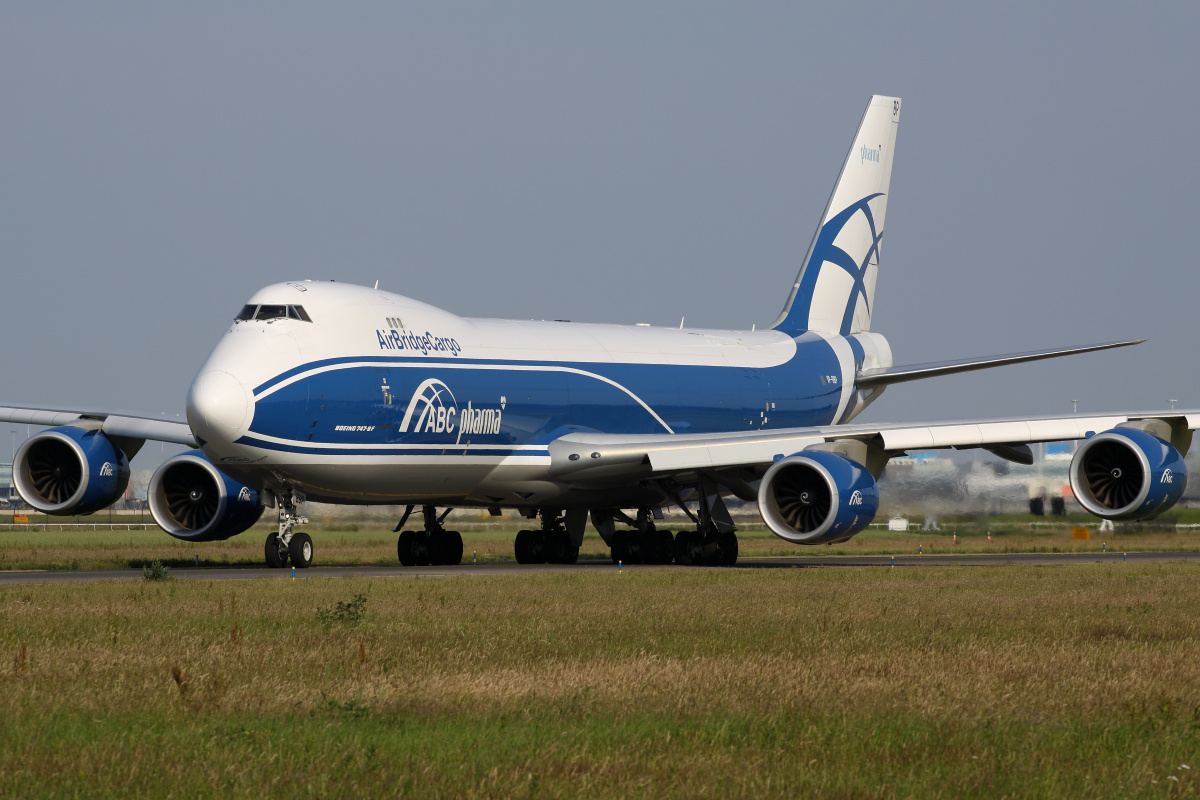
{"x":835,"y":290}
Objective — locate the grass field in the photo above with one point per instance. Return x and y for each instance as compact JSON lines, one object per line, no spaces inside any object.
{"x":1079,"y":681}
{"x":375,"y":544}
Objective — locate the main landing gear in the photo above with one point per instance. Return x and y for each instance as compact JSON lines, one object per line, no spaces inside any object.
{"x":552,"y":544}
{"x":433,"y":546}
{"x":288,"y":544}
{"x":645,"y":544}
{"x":706,"y":547}
{"x":712,"y":544}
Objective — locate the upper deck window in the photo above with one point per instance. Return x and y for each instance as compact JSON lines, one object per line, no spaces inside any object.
{"x":272,"y":312}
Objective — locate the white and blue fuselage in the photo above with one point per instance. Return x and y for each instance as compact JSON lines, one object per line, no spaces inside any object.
{"x":369,"y":397}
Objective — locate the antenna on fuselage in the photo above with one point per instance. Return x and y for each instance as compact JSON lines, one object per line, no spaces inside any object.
{"x":681,"y":319}
{"x":376,"y":284}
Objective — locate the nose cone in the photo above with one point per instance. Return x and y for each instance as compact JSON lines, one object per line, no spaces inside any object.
{"x":218,"y":406}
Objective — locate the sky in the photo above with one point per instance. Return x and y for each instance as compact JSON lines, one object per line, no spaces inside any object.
{"x":615,"y":162}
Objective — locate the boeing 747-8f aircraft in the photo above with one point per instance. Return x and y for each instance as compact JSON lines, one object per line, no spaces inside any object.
{"x":328,"y":392}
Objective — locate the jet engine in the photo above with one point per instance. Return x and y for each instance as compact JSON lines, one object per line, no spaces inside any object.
{"x":70,"y":470}
{"x":193,"y":500}
{"x":817,"y":497}
{"x":1126,"y":473}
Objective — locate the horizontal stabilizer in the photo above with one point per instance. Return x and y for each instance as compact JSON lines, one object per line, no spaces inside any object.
{"x":871,"y":378}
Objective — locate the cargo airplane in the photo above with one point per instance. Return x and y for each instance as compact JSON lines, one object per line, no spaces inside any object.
{"x":329,"y":392}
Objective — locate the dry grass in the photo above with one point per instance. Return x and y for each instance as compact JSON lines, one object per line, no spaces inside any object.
{"x":1031,"y":681}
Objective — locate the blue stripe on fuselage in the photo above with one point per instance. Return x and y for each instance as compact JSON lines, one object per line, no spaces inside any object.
{"x":354,"y":401}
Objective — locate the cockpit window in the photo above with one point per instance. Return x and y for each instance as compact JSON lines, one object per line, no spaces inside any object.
{"x":269,"y":313}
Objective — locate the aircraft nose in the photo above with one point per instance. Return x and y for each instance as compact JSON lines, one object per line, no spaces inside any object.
{"x":218,"y":405}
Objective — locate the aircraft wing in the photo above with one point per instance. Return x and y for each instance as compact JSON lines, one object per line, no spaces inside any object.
{"x":593,"y":458}
{"x":119,"y":425}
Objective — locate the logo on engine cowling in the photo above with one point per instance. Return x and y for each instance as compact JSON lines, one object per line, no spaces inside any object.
{"x":1167,"y":477}
{"x":244,"y":495}
{"x":106,"y":470}
{"x":434,"y":409}
{"x":856,"y":498}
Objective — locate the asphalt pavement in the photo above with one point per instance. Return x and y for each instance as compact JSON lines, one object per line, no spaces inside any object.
{"x":226,"y":573}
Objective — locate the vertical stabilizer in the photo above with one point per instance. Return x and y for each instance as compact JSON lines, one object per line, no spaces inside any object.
{"x":835,"y":290}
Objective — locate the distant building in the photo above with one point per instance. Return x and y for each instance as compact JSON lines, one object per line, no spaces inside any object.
{"x":8,"y":492}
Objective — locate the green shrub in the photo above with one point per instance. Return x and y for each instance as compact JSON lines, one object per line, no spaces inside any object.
{"x":344,"y":613}
{"x":156,"y":571}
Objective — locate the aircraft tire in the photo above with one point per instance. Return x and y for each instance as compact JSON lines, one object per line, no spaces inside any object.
{"x":571,"y":556}
{"x":680,"y":548}
{"x":424,"y":549}
{"x":713,"y":548}
{"x":666,"y":545}
{"x":556,"y":545}
{"x":648,"y":546}
{"x":618,"y":547}
{"x":523,"y":547}
{"x":729,"y":549}
{"x":300,"y":550}
{"x":404,"y":549}
{"x":435,"y":549}
{"x":276,"y":556}
{"x":452,"y":548}
{"x":634,"y":554}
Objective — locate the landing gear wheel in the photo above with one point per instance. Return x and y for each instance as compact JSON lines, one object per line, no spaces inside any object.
{"x":618,"y":547}
{"x":300,"y":550}
{"x":666,"y":547}
{"x":691,"y":551}
{"x":657,"y":547}
{"x":729,"y":549}
{"x":423,"y":549}
{"x":277,"y":555}
{"x":713,"y":548}
{"x":633,"y":548}
{"x":404,"y":548}
{"x":524,"y":545}
{"x":680,"y":549}
{"x":451,"y":548}
{"x":556,"y":545}
{"x":648,"y":546}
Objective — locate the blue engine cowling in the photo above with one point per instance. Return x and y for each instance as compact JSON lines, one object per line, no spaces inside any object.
{"x":1126,"y":473}
{"x":193,"y":500}
{"x":815,"y":497}
{"x":70,"y":470}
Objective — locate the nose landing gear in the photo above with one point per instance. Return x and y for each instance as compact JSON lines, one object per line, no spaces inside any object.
{"x":288,"y":544}
{"x":433,"y":546}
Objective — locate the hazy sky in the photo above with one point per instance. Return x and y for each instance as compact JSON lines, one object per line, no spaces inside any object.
{"x":628,"y":162}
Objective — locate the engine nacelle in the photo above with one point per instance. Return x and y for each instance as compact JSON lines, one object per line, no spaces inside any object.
{"x":1126,"y":473}
{"x":193,"y":500}
{"x":816,"y":497}
{"x":70,"y":470}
